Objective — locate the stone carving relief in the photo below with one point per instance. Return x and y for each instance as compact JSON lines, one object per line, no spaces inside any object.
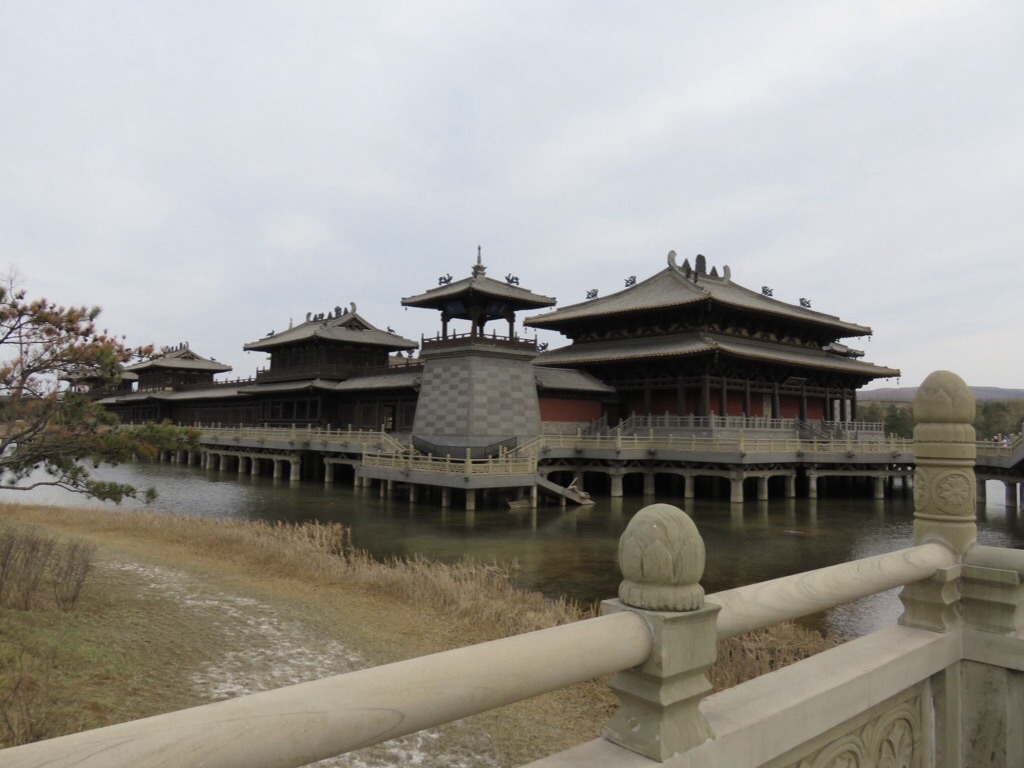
{"x":891,"y":740}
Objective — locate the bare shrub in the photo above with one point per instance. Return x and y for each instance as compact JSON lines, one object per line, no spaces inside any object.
{"x":751,"y":655}
{"x":71,"y":565}
{"x":30,"y":557}
{"x":8,"y":550}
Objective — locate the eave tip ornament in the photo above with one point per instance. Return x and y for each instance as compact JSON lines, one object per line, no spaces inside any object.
{"x":661,"y":556}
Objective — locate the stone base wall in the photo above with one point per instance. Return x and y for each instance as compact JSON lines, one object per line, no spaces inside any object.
{"x":477,"y":397}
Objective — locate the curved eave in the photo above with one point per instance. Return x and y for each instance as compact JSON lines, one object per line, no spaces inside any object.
{"x":215,"y":393}
{"x":393,"y":344}
{"x":571,"y":380}
{"x":668,"y":347}
{"x":519,"y":298}
{"x":375,"y":383}
{"x":668,"y":290}
{"x":173,"y":364}
{"x":306,"y":385}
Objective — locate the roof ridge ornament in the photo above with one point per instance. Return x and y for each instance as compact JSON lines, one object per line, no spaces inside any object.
{"x":479,"y":270}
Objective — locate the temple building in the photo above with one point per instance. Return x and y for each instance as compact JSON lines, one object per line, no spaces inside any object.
{"x":692,"y":341}
{"x":175,"y":376}
{"x":335,"y":368}
{"x":175,"y":368}
{"x":686,"y":341}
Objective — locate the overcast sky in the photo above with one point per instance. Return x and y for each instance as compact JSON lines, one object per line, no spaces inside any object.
{"x":208,"y":171}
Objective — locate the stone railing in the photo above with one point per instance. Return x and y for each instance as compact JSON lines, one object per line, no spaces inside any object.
{"x":454,"y":340}
{"x":368,"y":438}
{"x":446,"y":465}
{"x":943,"y":689}
{"x":733,"y":443}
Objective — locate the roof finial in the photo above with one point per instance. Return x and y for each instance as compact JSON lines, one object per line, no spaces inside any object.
{"x":478,"y":269}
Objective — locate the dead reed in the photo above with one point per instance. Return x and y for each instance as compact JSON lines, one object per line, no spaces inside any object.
{"x":477,"y":596}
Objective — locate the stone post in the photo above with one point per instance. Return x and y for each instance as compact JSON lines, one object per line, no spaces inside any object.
{"x":944,"y":494}
{"x":661,"y":555}
{"x":616,"y":489}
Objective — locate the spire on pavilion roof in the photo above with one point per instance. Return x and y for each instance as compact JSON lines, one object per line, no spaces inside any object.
{"x":476,"y":289}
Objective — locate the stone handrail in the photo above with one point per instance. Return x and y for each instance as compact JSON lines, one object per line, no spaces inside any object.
{"x":999,"y":450}
{"x":691,"y":443}
{"x":507,"y":465}
{"x":745,"y":609}
{"x":335,"y":715}
{"x":308,"y":433}
{"x":302,"y":723}
{"x":725,"y":444}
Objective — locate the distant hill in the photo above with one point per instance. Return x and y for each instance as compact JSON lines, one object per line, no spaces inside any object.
{"x":906,"y":394}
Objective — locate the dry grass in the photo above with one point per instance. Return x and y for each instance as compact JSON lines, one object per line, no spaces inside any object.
{"x":322,"y":553}
{"x":103,"y":659}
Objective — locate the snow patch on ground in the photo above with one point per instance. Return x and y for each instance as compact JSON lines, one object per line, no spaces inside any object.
{"x":263,"y":650}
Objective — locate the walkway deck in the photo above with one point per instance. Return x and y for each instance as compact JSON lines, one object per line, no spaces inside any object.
{"x":686,"y":451}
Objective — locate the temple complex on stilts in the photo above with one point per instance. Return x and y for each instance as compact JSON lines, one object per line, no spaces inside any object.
{"x":685,"y":380}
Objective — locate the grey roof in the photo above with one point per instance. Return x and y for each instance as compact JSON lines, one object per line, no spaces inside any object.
{"x":479,"y":283}
{"x":287,"y":386}
{"x":347,"y":327}
{"x":182,"y":359}
{"x":388,"y":381}
{"x":162,"y":394}
{"x":675,"y":286}
{"x":695,"y":343}
{"x":571,"y":380}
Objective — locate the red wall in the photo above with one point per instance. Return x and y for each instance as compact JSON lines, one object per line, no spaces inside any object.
{"x":790,"y":407}
{"x":815,"y":409}
{"x":559,"y":409}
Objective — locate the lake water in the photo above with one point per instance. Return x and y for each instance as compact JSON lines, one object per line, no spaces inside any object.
{"x":568,"y":551}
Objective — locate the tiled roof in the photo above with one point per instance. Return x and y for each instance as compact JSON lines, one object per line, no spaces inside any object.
{"x":479,"y":283}
{"x":287,"y":386}
{"x":388,"y":381}
{"x":672,"y":288}
{"x":348,"y":327}
{"x":181,"y":359}
{"x":571,"y":380}
{"x":163,"y":394}
{"x":689,"y":344}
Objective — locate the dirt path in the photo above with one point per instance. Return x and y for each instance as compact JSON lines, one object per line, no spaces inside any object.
{"x":252,"y":644}
{"x":198,"y":629}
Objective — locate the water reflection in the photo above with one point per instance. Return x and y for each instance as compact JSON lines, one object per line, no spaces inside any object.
{"x":568,"y":551}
